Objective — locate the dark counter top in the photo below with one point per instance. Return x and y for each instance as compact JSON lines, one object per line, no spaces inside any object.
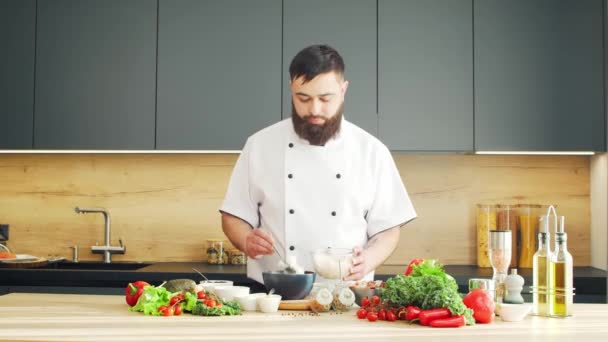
{"x":92,"y":277}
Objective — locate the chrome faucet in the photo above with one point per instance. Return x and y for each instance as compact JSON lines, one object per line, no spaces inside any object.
{"x":107,"y":250}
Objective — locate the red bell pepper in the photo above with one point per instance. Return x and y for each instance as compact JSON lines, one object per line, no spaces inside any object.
{"x":133,"y":291}
{"x":427,"y":316}
{"x":450,"y":322}
{"x":410,"y":266}
{"x":412,"y":313}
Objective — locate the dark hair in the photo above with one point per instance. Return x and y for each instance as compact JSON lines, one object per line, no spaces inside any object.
{"x":314,"y":60}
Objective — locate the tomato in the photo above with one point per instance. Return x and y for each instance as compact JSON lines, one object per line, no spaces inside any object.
{"x":391,"y":316}
{"x":361,"y":313}
{"x":411,"y":264}
{"x":372,"y":316}
{"x":210,"y":303}
{"x":218,"y":303}
{"x":165,"y":310}
{"x":178,"y":310}
{"x":365,"y":302}
{"x":382,"y":315}
{"x":174,"y":300}
{"x":201,"y":295}
{"x":375,"y":300}
{"x":482,"y":304}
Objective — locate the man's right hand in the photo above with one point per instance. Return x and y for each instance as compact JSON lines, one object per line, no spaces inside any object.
{"x":258,"y":242}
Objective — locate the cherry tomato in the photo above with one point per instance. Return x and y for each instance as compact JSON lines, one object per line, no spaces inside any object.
{"x":174,"y":300}
{"x":375,"y":300}
{"x":201,"y":295}
{"x":165,"y":310}
{"x":382,"y":315}
{"x":372,"y":316}
{"x":391,"y":316}
{"x":365,"y":302}
{"x":218,"y":303}
{"x":361,"y":313}
{"x":178,"y":310}
{"x":210,"y":303}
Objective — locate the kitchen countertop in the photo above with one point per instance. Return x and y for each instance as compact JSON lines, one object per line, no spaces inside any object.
{"x":590,"y":283}
{"x":54,"y":317}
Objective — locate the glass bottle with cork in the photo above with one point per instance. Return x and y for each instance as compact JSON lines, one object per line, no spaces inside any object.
{"x":561,"y":289}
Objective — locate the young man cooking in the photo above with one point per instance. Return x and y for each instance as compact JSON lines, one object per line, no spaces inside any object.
{"x":315,"y":180}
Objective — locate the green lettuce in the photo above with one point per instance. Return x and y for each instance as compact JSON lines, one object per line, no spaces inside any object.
{"x":151,"y":299}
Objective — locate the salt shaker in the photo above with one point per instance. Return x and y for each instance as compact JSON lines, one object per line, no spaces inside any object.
{"x":514,"y":283}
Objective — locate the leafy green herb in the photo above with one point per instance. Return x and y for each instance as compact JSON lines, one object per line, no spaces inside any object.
{"x":428,"y":287}
{"x":227,"y":309}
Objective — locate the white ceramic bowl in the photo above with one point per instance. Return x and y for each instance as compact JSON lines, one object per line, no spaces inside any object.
{"x":513,"y":312}
{"x":269,"y":303}
{"x":332,"y":263}
{"x":211,"y":284}
{"x":250,"y":301}
{"x":230,"y":292}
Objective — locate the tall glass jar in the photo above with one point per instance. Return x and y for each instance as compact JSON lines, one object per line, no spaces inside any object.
{"x":486,"y":221}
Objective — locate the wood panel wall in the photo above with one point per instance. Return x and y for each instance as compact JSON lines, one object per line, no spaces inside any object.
{"x":164,"y":207}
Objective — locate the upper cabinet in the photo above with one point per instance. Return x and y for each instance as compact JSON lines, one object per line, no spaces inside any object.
{"x":349,"y":26}
{"x":17,"y":42}
{"x":219,"y":72}
{"x":95,"y":74}
{"x":425,"y":75}
{"x":539,"y":75}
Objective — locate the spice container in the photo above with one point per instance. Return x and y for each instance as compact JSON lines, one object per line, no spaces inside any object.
{"x":237,"y":257}
{"x":486,"y":221}
{"x":500,"y":257}
{"x":217,"y":252}
{"x":321,"y":297}
{"x":344,"y":298}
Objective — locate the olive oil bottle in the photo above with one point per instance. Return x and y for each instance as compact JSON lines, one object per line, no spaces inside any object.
{"x":540,"y":268}
{"x":561,"y":288}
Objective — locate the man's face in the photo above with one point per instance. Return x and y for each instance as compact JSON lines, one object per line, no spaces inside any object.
{"x":318,"y":106}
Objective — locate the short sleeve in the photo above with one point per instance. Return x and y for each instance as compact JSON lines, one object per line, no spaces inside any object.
{"x":391,"y":205}
{"x":238,"y":201}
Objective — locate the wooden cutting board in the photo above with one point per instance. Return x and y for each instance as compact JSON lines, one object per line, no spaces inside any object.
{"x":38,"y":262}
{"x":300,"y":304}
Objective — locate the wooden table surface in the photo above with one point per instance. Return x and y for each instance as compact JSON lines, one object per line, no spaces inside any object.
{"x":60,"y":317}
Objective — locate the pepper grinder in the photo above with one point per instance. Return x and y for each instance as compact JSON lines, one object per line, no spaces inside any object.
{"x":514,"y":284}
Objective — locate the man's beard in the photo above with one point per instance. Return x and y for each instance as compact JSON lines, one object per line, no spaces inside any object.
{"x":316,"y":134}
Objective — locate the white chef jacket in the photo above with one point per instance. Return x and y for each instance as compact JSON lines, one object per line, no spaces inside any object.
{"x":338,"y":195}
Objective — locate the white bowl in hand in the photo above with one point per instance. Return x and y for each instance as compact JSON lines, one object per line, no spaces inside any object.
{"x":513,"y":312}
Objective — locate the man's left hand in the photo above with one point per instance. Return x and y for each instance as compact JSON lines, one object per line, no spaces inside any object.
{"x":359,"y":267}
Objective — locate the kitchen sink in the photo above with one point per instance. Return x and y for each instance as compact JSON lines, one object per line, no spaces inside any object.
{"x":97,"y":265}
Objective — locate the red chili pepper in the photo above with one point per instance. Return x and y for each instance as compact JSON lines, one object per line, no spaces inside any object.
{"x":412,"y":313}
{"x":133,"y":291}
{"x":451,"y":322}
{"x":427,"y":316}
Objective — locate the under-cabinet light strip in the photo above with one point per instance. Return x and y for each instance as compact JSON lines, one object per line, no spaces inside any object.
{"x":561,"y":153}
{"x":121,"y":151}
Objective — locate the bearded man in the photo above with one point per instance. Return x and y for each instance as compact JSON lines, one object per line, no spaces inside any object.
{"x":315,"y":181}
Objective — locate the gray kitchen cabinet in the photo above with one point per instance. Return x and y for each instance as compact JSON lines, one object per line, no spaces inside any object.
{"x":219,"y":72}
{"x":539,"y":75}
{"x":348,"y":26}
{"x":17,"y":42}
{"x":425,"y":75}
{"x":95,"y":74}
